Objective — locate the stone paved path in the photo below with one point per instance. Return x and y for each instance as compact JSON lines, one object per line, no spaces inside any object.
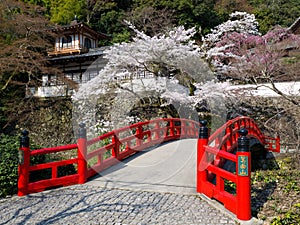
{"x":84,"y":204}
{"x":170,"y":167}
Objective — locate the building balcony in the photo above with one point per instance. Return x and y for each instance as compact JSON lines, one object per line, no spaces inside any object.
{"x":67,"y":51}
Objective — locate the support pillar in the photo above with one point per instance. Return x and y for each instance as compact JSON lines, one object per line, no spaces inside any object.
{"x":82,"y":154}
{"x":201,"y":156}
{"x":24,"y":163}
{"x":243,"y":169}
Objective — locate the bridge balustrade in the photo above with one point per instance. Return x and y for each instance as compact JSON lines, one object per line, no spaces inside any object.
{"x":215,"y":151}
{"x":89,"y":157}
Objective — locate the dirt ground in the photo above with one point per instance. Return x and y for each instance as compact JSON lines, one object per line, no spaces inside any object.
{"x":276,"y":189}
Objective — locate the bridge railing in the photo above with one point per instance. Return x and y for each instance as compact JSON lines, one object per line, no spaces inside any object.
{"x":126,"y":141}
{"x":89,"y":157}
{"x":218,"y":149}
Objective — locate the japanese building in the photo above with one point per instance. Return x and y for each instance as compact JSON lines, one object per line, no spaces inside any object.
{"x":76,"y":55}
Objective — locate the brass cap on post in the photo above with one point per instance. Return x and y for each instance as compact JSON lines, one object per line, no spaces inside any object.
{"x":203,"y":130}
{"x":24,"y":139}
{"x":82,"y":131}
{"x":243,"y":141}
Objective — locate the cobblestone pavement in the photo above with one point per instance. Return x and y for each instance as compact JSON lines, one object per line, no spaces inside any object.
{"x":83,"y":204}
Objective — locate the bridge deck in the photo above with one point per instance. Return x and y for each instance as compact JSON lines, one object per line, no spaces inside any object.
{"x":170,"y":167}
{"x":105,"y":200}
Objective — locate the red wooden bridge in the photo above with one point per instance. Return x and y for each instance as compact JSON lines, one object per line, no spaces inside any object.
{"x":230,"y":143}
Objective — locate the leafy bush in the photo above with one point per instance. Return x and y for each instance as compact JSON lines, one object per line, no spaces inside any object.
{"x":291,"y":217}
{"x":9,"y":146}
{"x":8,"y":164}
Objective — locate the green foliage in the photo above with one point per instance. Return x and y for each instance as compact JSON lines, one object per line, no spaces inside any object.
{"x":104,"y":23}
{"x":230,"y":186}
{"x":264,"y":176}
{"x":8,"y":165}
{"x":291,"y":217}
{"x":108,"y":16}
{"x":275,"y":190}
{"x":121,"y":37}
{"x":38,"y":2}
{"x":191,"y":13}
{"x":292,"y":185}
{"x":9,"y":146}
{"x":270,"y":13}
{"x":64,"y":11}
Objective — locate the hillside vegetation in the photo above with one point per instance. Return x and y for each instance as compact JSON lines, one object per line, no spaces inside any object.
{"x":153,"y":16}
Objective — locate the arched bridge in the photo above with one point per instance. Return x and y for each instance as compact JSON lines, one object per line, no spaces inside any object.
{"x":200,"y":160}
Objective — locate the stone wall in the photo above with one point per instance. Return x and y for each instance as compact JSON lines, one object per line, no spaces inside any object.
{"x":49,"y":123}
{"x":274,"y":116}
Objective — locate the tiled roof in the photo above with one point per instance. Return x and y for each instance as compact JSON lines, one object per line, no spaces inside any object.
{"x":79,"y":25}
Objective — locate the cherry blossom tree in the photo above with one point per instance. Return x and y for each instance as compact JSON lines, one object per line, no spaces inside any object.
{"x":220,"y":44}
{"x":166,"y":67}
{"x":240,"y":22}
{"x":236,"y":50}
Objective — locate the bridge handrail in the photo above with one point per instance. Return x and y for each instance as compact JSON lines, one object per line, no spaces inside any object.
{"x":56,"y":149}
{"x":138,"y":124}
{"x":235,"y":125}
{"x":144,"y":134}
{"x":217,"y":149}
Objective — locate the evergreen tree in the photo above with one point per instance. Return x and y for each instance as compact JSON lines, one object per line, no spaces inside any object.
{"x":64,"y":11}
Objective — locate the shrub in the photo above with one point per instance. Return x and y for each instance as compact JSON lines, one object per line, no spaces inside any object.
{"x":9,"y":146}
{"x":8,"y":164}
{"x":291,"y":217}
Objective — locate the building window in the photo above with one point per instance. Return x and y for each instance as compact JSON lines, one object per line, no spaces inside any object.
{"x":87,"y":43}
{"x":67,"y":42}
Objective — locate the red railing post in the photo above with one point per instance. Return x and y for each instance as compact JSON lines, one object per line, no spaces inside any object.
{"x":24,"y":163}
{"x":82,"y":153}
{"x":116,"y":148}
{"x":277,"y":143}
{"x":157,"y":132}
{"x":172,"y":128}
{"x":138,"y":135}
{"x":183,"y":129}
{"x":229,"y":141}
{"x":201,"y":157}
{"x":243,"y":168}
